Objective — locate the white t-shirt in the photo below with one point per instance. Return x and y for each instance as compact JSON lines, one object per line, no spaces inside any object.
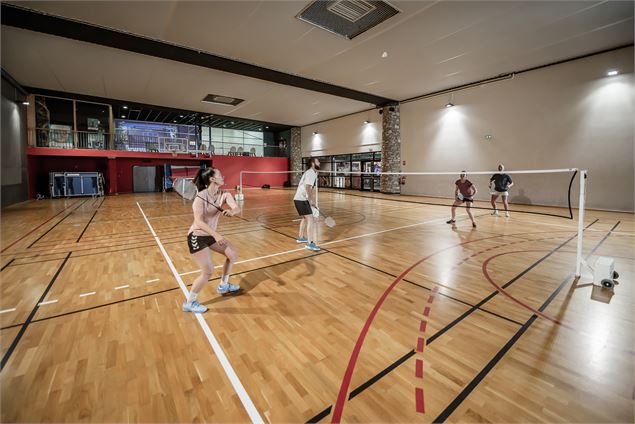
{"x":308,"y":178}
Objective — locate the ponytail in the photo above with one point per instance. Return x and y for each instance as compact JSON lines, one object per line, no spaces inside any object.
{"x":201,"y":180}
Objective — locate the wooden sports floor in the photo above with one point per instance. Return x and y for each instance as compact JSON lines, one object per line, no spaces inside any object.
{"x":400,"y":318}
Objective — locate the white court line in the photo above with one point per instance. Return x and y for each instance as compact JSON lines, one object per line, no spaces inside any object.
{"x":87,"y":294}
{"x":48,"y":302}
{"x":125,"y":286}
{"x":329,"y":242}
{"x":253,"y":413}
{"x":7,"y":310}
{"x":152,"y":281}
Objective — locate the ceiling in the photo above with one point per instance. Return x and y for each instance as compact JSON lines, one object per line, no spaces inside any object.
{"x":430,"y":46}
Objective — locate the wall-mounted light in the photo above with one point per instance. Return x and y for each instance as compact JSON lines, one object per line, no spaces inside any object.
{"x":612,"y":73}
{"x":450,"y":104}
{"x":367,"y":122}
{"x":489,"y":137}
{"x":123,"y":116}
{"x":125,"y":107}
{"x":25,"y":103}
{"x":315,"y":132}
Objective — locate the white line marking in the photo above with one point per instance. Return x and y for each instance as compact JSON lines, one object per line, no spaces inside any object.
{"x":7,"y":310}
{"x":87,"y":294}
{"x":152,"y":281}
{"x":253,"y":413}
{"x":329,"y":242}
{"x":48,"y":302}
{"x":125,"y":286}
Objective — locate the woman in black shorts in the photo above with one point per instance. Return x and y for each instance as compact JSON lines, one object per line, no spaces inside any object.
{"x":464,"y":192}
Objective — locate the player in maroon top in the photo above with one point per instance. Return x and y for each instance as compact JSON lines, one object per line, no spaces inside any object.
{"x":464,"y":192}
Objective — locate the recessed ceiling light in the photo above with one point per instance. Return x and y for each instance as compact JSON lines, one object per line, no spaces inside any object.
{"x":232,"y":122}
{"x":125,"y":107}
{"x":123,"y":116}
{"x":267,"y":127}
{"x":612,"y":73}
{"x":180,"y":116}
{"x":384,"y":55}
{"x":174,"y":121}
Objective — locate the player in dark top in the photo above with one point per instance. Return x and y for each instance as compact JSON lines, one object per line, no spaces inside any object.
{"x":464,"y":192}
{"x":502,"y":183}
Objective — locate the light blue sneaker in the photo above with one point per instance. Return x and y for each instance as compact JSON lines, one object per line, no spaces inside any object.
{"x":301,"y":240}
{"x":227,"y":288}
{"x":194,"y":306}
{"x":312,"y":246}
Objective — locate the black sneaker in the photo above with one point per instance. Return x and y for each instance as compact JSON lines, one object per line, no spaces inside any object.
{"x":452,"y":221}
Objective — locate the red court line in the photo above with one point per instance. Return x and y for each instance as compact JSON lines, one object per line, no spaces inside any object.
{"x":419,"y":368}
{"x":23,"y":236}
{"x":419,"y":400}
{"x":509,"y":296}
{"x":338,"y":409}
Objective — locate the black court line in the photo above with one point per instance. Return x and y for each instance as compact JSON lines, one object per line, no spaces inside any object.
{"x":424,"y":287}
{"x":86,"y":227}
{"x":7,"y":264}
{"x":161,"y":291}
{"x":91,"y":220}
{"x":445,"y":414}
{"x":67,"y":215}
{"x":406,"y":280}
{"x":442,"y":331}
{"x":29,"y":319}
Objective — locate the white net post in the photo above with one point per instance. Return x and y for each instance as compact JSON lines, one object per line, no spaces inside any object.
{"x":239,"y":193}
{"x":579,"y":260}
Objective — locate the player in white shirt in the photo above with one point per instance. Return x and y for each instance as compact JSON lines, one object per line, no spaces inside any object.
{"x":304,"y":200}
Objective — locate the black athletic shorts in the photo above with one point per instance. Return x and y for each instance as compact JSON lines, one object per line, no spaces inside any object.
{"x":303,"y":207}
{"x":198,"y":243}
{"x":465,"y":199}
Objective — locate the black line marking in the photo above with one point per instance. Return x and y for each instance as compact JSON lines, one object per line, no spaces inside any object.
{"x":464,"y":315}
{"x":59,"y":222}
{"x":423,"y":287}
{"x":165,"y":290}
{"x":445,"y":414}
{"x":7,"y":264}
{"x":86,"y":227}
{"x":28,"y":321}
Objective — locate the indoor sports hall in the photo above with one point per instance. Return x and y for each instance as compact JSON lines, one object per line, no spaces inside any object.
{"x":317,"y":211}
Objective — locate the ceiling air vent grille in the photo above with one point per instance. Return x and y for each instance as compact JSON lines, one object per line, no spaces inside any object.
{"x":351,"y":10}
{"x":222,"y":100}
{"x":348,"y":18}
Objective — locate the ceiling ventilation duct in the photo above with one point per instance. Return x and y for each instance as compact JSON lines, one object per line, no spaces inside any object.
{"x":222,"y":100}
{"x":347,"y":18}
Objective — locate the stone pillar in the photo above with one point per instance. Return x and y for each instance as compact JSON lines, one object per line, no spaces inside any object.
{"x":390,"y":149}
{"x":295,"y":161}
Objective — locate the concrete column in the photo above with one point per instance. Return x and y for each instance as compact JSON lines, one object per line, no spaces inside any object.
{"x":390,"y":149}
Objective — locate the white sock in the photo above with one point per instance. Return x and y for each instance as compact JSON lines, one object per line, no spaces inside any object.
{"x":224,"y":279}
{"x":191,"y":296}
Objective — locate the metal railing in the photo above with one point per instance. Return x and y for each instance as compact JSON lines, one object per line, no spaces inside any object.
{"x":126,"y":141}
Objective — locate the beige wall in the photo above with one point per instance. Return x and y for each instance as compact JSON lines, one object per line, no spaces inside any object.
{"x":563,"y":116}
{"x":343,"y":135}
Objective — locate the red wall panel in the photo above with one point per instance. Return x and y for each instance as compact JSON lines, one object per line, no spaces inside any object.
{"x":231,"y":166}
{"x":118,"y":170}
